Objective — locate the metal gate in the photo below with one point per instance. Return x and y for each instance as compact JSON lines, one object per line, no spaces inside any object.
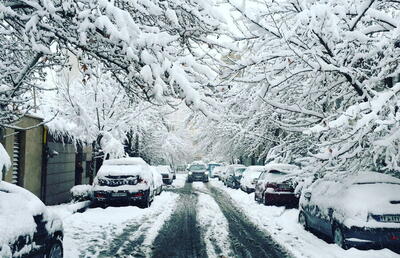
{"x":16,"y":159}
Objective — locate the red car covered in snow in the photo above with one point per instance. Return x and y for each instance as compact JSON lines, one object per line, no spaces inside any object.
{"x":276,"y":185}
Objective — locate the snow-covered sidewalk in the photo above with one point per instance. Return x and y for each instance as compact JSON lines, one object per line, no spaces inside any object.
{"x":67,"y":209}
{"x":282,"y":225}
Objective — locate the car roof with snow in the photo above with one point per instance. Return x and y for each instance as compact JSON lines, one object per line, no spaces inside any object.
{"x":124,"y":167}
{"x":282,"y":167}
{"x":125,"y":161}
{"x":253,"y":169}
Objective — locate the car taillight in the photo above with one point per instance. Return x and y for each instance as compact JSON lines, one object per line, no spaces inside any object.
{"x":138,"y":194}
{"x":100,"y":195}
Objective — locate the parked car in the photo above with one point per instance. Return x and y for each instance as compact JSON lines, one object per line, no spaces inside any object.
{"x":126,"y":180}
{"x":249,"y":178}
{"x":157,"y":179}
{"x":197,"y":172}
{"x":234,"y":175}
{"x":217,"y":172}
{"x":361,"y":210}
{"x":230,"y":172}
{"x":276,"y":185}
{"x":167,"y":174}
{"x":211,"y":167}
{"x":27,"y":228}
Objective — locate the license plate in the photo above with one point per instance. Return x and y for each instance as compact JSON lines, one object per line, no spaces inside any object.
{"x":390,"y":218}
{"x":118,"y":194}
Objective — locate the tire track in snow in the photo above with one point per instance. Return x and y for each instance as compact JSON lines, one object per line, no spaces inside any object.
{"x":246,"y":239}
{"x":214,"y":227}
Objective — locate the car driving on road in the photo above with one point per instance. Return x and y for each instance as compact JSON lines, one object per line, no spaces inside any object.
{"x":27,"y":228}
{"x":197,"y":172}
{"x":126,"y":180}
{"x":276,"y":185}
{"x":361,"y":210}
{"x":249,"y":178}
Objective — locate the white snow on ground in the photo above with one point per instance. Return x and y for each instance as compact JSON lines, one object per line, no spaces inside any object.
{"x":89,"y":233}
{"x":180,"y":181}
{"x":282,"y":225}
{"x":214,"y":227}
{"x":199,"y":185}
{"x":67,"y":209}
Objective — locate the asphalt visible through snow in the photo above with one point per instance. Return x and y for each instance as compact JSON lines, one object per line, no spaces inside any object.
{"x":181,"y":235}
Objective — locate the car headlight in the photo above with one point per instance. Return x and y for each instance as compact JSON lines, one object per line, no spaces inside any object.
{"x":207,"y":173}
{"x":190,"y":173}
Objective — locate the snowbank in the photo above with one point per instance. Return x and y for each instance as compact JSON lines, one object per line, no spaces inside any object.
{"x":81,"y":192}
{"x":282,"y":225}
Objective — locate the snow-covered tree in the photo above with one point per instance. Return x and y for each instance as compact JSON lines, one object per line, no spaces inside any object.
{"x":322,"y":74}
{"x":148,"y":46}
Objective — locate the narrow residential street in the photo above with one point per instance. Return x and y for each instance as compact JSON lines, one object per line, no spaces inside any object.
{"x":187,"y":220}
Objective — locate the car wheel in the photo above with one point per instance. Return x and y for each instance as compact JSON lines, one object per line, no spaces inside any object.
{"x":55,"y":249}
{"x":303,"y":220}
{"x":338,"y":237}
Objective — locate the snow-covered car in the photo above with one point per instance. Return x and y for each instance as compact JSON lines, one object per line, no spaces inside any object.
{"x":211,"y":167}
{"x":249,"y":178}
{"x":126,"y":180}
{"x":158,"y":181}
{"x":361,"y":210}
{"x":234,"y":175}
{"x":167,"y":174}
{"x":230,"y":169}
{"x":197,"y":172}
{"x":217,"y":172}
{"x":277,"y":184}
{"x":27,"y":228}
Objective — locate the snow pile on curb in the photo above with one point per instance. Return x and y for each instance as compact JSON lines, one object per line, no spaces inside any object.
{"x":81,"y":192}
{"x":282,"y":225}
{"x":67,"y":209}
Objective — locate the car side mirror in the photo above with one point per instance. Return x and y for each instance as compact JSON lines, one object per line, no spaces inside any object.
{"x":307,"y":195}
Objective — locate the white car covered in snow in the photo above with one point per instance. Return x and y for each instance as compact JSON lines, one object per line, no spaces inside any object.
{"x":157,"y":179}
{"x":126,"y":180}
{"x":249,"y":178}
{"x":361,"y":210}
{"x":27,"y":228}
{"x":167,"y":174}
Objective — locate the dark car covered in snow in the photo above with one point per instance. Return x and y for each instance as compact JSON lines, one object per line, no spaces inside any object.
{"x":234,"y":175}
{"x":125,"y":180}
{"x":27,"y":227}
{"x":361,"y":210}
{"x":197,"y":172}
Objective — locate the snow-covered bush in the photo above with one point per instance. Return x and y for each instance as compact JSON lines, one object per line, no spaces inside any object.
{"x":81,"y":193}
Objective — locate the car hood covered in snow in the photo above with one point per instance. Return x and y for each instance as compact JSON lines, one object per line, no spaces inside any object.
{"x":17,"y":210}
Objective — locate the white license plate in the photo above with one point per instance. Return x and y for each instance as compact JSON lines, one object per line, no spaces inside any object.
{"x":118,"y":194}
{"x":390,"y":218}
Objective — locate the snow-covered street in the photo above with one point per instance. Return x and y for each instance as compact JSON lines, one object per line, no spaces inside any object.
{"x":197,"y":220}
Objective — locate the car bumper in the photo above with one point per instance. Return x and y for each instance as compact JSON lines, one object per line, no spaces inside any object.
{"x":282,"y":198}
{"x":120,"y":196}
{"x":198,"y":178}
{"x":372,"y":237}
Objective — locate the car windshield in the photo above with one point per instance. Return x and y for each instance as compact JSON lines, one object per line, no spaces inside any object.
{"x":197,"y":167}
{"x":239,"y":171}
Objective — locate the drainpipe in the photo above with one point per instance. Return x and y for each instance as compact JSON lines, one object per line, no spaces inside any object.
{"x":45,"y":158}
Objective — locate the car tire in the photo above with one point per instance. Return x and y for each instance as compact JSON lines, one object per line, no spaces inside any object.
{"x":338,"y":237}
{"x":55,"y":249}
{"x":302,"y":219}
